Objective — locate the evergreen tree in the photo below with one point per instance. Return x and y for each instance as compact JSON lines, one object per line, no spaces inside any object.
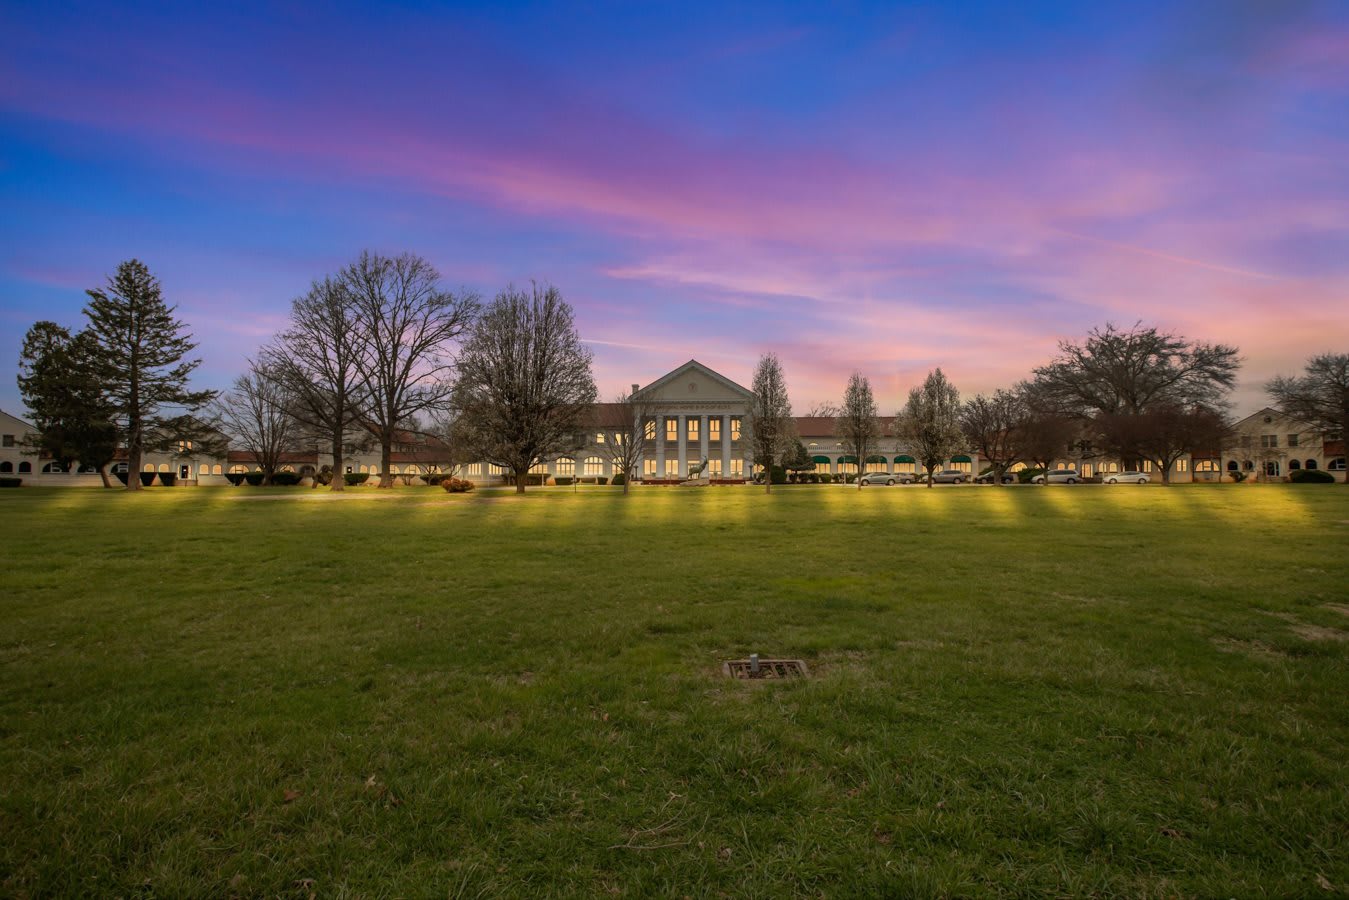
{"x":62,"y":383}
{"x":142,"y":351}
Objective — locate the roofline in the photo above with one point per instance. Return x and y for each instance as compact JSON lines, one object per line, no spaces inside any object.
{"x":673,"y":373}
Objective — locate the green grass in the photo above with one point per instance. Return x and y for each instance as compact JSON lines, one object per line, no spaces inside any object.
{"x":1054,"y":691}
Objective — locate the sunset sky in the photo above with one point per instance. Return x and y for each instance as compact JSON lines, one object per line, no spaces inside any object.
{"x":883,"y":188}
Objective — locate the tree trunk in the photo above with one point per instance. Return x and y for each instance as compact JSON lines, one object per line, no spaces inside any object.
{"x":520,"y":481}
{"x":103,"y":473}
{"x":339,"y":481}
{"x":133,"y":475}
{"x":626,"y":479}
{"x":385,"y":459}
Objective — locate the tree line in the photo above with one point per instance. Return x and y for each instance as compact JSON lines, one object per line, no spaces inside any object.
{"x":381,"y":347}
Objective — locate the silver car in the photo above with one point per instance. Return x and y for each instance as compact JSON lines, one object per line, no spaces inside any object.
{"x":951,"y":476}
{"x":887,"y":478}
{"x":1058,"y":476}
{"x":1127,"y":478}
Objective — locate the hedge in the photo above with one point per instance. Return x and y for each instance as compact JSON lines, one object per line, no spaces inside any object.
{"x":1025,"y":475}
{"x":1310,"y":476}
{"x":354,"y":478}
{"x":285,"y":479}
{"x":11,"y":482}
{"x":254,"y":479}
{"x":168,"y":479}
{"x":147,"y":479}
{"x":619,"y":478}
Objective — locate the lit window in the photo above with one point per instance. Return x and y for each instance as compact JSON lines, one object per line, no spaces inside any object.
{"x":671,"y":467}
{"x":1111,"y":467}
{"x":203,"y":470}
{"x":538,"y":469}
{"x":1206,"y":465}
{"x":649,"y":430}
{"x":148,"y":467}
{"x":163,"y":467}
{"x":737,"y":466}
{"x":594,"y":465}
{"x":565,"y":465}
{"x":393,"y":470}
{"x":714,"y":428}
{"x":215,"y":469}
{"x":1086,"y":470}
{"x":713,"y":467}
{"x":693,"y":428}
{"x":184,"y":446}
{"x":495,"y":469}
{"x":599,"y":437}
{"x":1147,"y":465}
{"x":473,"y":469}
{"x":649,"y":467}
{"x":671,"y":429}
{"x":735,"y":428}
{"x":1182,"y":465}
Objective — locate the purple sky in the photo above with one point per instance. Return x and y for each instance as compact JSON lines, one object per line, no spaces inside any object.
{"x":882,"y":188}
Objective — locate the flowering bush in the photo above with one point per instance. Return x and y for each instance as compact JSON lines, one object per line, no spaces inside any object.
{"x":456,"y":485}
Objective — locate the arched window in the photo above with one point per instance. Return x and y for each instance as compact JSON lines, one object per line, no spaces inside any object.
{"x":25,"y":468}
{"x":594,"y":465}
{"x":148,"y":467}
{"x":876,"y":464}
{"x":164,"y":467}
{"x":1294,"y":465}
{"x":238,"y":470}
{"x":538,"y":468}
{"x":1250,"y":466}
{"x":393,"y":470}
{"x":215,"y":469}
{"x":287,"y":468}
{"x":1335,"y":465}
{"x":1112,"y":467}
{"x":1233,"y":465}
{"x":203,"y":470}
{"x":962,"y":463}
{"x":1309,"y":464}
{"x":566,"y":466}
{"x":1206,"y":465}
{"x":6,"y":467}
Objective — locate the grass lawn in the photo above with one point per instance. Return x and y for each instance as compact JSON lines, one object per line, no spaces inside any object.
{"x":1036,"y":691}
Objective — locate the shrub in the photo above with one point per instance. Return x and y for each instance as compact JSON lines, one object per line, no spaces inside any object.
{"x":779,"y":475}
{"x":354,"y":478}
{"x":235,"y":478}
{"x":435,"y":478}
{"x":564,"y":480}
{"x":168,"y":479}
{"x":285,"y":479}
{"x":456,"y":485}
{"x":1310,"y":476}
{"x":324,"y":476}
{"x":619,"y":478}
{"x":1025,"y":475}
{"x":147,"y":479}
{"x":11,"y":482}
{"x":253,"y":478}
{"x":826,"y":478}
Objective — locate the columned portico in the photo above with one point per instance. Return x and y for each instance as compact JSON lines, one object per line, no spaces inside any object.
{"x":702,"y":439}
{"x":703,"y":406}
{"x":726,"y":445}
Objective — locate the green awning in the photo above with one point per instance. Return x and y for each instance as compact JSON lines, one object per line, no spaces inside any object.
{"x":847,"y":459}
{"x":907,"y":459}
{"x":820,"y":459}
{"x":961,"y":459}
{"x":879,"y":459}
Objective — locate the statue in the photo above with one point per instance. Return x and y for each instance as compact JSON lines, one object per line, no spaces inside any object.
{"x":695,"y":471}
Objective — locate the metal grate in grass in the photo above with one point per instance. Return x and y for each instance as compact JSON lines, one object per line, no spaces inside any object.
{"x":766,"y":669}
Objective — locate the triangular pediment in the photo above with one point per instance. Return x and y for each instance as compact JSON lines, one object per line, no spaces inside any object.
{"x":694,"y":381}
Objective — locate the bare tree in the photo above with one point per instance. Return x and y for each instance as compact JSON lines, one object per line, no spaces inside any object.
{"x":858,"y":423}
{"x":994,"y":426}
{"x":1166,"y":433}
{"x":1116,"y":371}
{"x":406,"y":324}
{"x":525,"y":383}
{"x":929,"y":425}
{"x":629,"y":427}
{"x":255,"y":414}
{"x":771,"y":431}
{"x":1319,"y":397}
{"x":824,"y":410}
{"x":315,"y":359}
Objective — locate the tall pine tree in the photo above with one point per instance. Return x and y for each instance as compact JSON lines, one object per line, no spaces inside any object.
{"x":143,"y":350}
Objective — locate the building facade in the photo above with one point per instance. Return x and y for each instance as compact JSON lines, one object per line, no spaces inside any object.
{"x":690,"y":416}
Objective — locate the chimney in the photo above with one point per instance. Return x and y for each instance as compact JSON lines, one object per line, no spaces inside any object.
{"x":636,"y":388}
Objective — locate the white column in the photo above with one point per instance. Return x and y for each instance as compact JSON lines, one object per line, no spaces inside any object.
{"x":726,"y":446}
{"x":660,"y":446}
{"x":702,"y":439}
{"x":683,"y":446}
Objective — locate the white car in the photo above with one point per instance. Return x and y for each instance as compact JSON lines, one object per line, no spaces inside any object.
{"x":1127,"y":478}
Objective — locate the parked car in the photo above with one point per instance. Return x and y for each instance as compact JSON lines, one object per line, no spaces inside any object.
{"x":1127,"y":478}
{"x":871,"y":478}
{"x":987,"y":477}
{"x":950,"y":476}
{"x":1059,"y":476}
